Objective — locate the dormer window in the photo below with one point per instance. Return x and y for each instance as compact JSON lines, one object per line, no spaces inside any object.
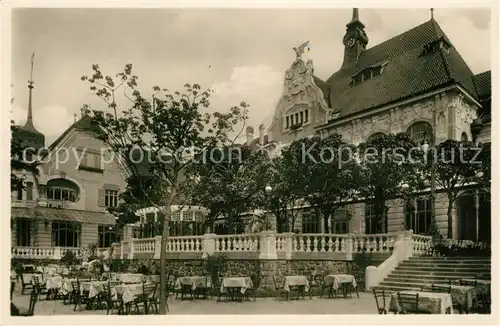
{"x":368,"y":73}
{"x":436,"y":46}
{"x":296,"y":119}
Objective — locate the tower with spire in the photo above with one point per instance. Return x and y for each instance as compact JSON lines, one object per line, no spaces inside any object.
{"x":27,"y":134}
{"x":355,"y":40}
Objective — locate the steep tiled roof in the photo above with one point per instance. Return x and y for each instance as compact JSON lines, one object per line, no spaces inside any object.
{"x":324,"y":88}
{"x":407,"y":73}
{"x":482,"y":82}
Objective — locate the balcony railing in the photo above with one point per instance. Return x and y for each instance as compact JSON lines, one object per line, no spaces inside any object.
{"x":265,"y":245}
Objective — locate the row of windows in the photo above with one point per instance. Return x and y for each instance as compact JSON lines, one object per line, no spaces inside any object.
{"x":66,"y":194}
{"x":297,"y":118}
{"x":418,"y":217}
{"x":63,"y":234}
{"x":418,"y":132}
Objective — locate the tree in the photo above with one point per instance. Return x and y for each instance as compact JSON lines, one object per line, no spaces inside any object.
{"x":385,"y":163}
{"x":286,"y":196}
{"x":229,"y":182}
{"x":456,"y":164}
{"x":168,"y":131}
{"x":322,"y":170}
{"x":17,"y":162}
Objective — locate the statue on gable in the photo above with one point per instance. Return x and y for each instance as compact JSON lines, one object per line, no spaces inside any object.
{"x":299,"y":50}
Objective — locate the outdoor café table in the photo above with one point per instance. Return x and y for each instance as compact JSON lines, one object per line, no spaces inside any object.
{"x":483,"y":286}
{"x":462,"y":295}
{"x":128,"y":277}
{"x":335,"y":281}
{"x":298,"y":281}
{"x":432,"y":302}
{"x":231,"y":285}
{"x":66,"y":286}
{"x":127,"y":292}
{"x":94,"y":287}
{"x":190,"y":282}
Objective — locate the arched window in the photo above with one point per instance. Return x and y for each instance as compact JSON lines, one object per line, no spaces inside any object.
{"x":464,"y":137}
{"x":421,"y":131}
{"x":376,"y":135}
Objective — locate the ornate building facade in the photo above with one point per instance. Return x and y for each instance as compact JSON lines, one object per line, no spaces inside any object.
{"x":415,"y":82}
{"x":65,"y":204}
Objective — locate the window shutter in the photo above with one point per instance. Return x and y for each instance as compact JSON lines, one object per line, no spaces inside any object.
{"x":100,"y":199}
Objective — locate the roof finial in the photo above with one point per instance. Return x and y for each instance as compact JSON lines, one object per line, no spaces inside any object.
{"x":355,"y":14}
{"x":74,"y":116}
{"x":432,"y":13}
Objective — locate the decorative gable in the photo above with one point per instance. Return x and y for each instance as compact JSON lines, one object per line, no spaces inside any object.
{"x":302,"y":104}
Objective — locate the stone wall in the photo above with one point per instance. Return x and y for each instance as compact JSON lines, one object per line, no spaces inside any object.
{"x":261,"y":271}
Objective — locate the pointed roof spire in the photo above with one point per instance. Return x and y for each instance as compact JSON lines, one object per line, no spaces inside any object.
{"x":29,"y":121}
{"x":355,"y":18}
{"x":432,"y":13}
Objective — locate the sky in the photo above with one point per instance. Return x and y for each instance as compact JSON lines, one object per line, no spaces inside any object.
{"x":241,"y":54}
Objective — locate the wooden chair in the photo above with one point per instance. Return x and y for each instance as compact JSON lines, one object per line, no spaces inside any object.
{"x":440,"y":289}
{"x":25,"y":284}
{"x":279,"y":287}
{"x":381,"y":306}
{"x":251,"y":292}
{"x":148,"y":298}
{"x":31,"y":309}
{"x":468,"y":283}
{"x":408,"y":303}
{"x":215,"y":289}
{"x":12,"y":288}
{"x":40,"y":287}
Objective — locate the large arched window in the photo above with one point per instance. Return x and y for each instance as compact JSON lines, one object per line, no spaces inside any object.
{"x":63,"y":190}
{"x":420,"y":131}
{"x":376,"y":135}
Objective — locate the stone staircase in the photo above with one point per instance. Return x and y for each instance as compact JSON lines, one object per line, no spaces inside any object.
{"x":416,"y":272}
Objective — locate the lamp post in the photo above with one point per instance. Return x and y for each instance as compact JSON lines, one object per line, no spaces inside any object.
{"x":475,"y":128}
{"x":268,"y":190}
{"x":425,"y":147}
{"x":405,"y":188}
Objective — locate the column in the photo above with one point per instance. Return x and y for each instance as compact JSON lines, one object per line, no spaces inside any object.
{"x":157,"y":247}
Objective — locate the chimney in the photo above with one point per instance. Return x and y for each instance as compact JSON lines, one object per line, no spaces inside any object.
{"x":249,"y":135}
{"x":262,"y":128}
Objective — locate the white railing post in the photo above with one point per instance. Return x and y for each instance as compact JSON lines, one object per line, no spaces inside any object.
{"x":131,"y":249}
{"x":268,"y":245}
{"x":208,"y":244}
{"x":349,"y":246}
{"x":157,"y":247}
{"x":288,"y":245}
{"x":57,"y":253}
{"x":122,"y":245}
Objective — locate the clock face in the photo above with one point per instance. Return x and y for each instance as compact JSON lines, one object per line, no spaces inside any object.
{"x":350,"y":42}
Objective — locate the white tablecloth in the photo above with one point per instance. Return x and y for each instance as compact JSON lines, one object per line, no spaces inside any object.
{"x":296,"y":280}
{"x":433,"y":302}
{"x":337,"y":279}
{"x":193,"y":281}
{"x":128,"y":277}
{"x":128,"y":291}
{"x":243,"y":283}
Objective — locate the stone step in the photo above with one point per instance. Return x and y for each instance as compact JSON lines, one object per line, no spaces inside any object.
{"x":423,"y":279}
{"x":471,"y":269}
{"x":435,"y":274}
{"x":447,"y":263}
{"x":416,"y":284}
{"x":450,"y":258}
